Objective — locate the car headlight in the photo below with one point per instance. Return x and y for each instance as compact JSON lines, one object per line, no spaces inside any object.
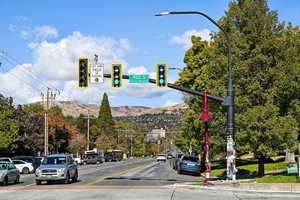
{"x":38,"y":171}
{"x":61,"y":170}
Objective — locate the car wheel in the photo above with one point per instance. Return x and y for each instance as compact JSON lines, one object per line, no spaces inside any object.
{"x":25,"y":170}
{"x":38,"y":182}
{"x":17,"y":180}
{"x":5,"y":181}
{"x":75,"y":178}
{"x":84,"y":163}
{"x":67,"y":180}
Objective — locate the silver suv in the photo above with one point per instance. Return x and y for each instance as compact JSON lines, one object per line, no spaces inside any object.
{"x":57,"y":167}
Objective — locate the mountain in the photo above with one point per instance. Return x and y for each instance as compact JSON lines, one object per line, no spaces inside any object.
{"x":169,"y":117}
{"x":73,"y":108}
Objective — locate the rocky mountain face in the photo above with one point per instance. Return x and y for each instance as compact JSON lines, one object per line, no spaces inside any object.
{"x":161,"y":117}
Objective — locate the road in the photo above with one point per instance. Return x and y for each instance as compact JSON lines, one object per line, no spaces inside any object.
{"x":132,"y":179}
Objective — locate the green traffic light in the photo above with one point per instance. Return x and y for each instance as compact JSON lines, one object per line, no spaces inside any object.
{"x":161,"y":81}
{"x":116,"y":82}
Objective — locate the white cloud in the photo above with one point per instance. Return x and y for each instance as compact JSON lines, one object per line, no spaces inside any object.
{"x":170,"y":103}
{"x":185,"y":39}
{"x":12,"y":27}
{"x":24,"y":34}
{"x":44,"y":32}
{"x":56,"y":63}
{"x":39,"y":33}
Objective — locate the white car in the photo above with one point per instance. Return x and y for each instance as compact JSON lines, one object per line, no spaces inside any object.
{"x":23,"y":167}
{"x":161,"y":157}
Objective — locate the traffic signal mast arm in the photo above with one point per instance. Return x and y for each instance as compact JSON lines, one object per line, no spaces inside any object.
{"x":176,"y":87}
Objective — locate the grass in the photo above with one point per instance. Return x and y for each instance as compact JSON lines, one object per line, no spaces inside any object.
{"x":246,"y":166}
{"x":278,"y":179}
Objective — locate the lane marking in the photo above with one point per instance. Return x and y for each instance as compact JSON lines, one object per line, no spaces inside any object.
{"x":116,"y":174}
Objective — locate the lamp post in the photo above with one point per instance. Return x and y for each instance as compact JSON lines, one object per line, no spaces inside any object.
{"x":229,"y":99}
{"x":206,"y":117}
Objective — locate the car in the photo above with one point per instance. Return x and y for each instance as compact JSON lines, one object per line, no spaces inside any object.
{"x":189,"y":163}
{"x":169,"y":156}
{"x":78,"y":160}
{"x":23,"y":166}
{"x":5,"y":159}
{"x":8,"y":173}
{"x":36,"y":161}
{"x":161,"y":157}
{"x":57,"y":167}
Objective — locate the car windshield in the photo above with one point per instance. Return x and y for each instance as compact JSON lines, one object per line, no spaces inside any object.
{"x":90,"y":156}
{"x":190,"y":158}
{"x":54,"y":161}
{"x":3,"y":166}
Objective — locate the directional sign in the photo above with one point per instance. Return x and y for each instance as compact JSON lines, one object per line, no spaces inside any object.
{"x":97,"y":73}
{"x":139,"y":78}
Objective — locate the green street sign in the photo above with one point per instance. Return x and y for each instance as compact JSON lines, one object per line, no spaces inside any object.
{"x":139,"y":78}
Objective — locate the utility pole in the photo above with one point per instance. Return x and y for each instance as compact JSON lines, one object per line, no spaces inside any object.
{"x":48,"y":100}
{"x":88,"y":131}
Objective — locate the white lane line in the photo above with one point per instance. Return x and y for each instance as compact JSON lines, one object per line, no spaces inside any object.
{"x":30,"y":184}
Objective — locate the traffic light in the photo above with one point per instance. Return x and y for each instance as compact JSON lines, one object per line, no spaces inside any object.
{"x":83,"y":72}
{"x":161,"y":75}
{"x":116,"y":75}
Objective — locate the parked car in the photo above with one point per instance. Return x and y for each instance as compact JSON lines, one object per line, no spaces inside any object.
{"x":5,"y":159}
{"x":188,"y":163}
{"x":23,"y":166}
{"x":36,"y":161}
{"x":57,"y":167}
{"x":161,"y":157}
{"x":78,"y":160}
{"x":8,"y":173}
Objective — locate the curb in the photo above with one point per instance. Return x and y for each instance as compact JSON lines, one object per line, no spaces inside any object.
{"x":233,"y":189}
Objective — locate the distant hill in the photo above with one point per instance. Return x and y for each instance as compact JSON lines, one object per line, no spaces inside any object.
{"x":168,"y":117}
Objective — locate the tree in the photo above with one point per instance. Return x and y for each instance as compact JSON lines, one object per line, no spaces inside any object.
{"x":266,"y":74}
{"x":9,"y":129}
{"x":105,"y":125}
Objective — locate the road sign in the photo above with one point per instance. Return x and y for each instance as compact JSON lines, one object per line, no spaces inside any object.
{"x":139,"y":78}
{"x":97,"y":73}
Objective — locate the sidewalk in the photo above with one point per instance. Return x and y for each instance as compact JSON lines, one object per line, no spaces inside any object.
{"x":280,"y":187}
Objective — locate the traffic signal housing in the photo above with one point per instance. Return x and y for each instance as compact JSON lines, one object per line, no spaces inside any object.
{"x":161,"y":75}
{"x":116,"y":75}
{"x":83,"y":72}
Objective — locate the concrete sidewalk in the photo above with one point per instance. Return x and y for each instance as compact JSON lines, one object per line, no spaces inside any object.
{"x":280,"y":187}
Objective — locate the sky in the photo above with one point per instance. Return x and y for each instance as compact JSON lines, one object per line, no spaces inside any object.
{"x":41,"y":41}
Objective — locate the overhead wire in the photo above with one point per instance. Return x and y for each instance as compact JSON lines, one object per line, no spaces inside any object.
{"x":11,"y":60}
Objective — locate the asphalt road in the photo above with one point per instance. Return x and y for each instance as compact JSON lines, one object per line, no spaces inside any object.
{"x":133,"y":179}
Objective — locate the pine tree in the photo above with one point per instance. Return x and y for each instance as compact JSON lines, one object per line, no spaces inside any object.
{"x":105,"y":125}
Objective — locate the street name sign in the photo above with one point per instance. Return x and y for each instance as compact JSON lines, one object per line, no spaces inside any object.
{"x":139,"y":78}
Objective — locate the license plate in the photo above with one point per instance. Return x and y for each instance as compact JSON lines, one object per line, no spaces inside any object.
{"x":190,"y":164}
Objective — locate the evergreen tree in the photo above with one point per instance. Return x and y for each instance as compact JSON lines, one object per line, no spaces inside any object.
{"x":266,"y":76}
{"x":105,"y":125}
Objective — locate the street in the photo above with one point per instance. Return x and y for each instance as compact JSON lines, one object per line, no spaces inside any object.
{"x":131,"y":179}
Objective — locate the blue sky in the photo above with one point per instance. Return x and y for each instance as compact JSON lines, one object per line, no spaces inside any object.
{"x":46,"y":37}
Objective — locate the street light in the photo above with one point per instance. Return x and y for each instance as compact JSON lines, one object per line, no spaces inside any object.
{"x":229,"y":99}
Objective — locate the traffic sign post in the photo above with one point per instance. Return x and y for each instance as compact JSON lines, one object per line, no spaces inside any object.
{"x":139,"y":78}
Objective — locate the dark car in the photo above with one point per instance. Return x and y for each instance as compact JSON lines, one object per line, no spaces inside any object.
{"x":188,"y":163}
